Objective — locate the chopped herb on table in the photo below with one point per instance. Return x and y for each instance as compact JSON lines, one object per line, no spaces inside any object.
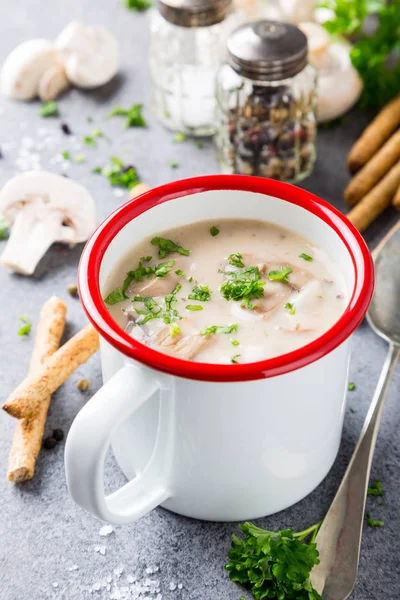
{"x":90,"y":140}
{"x":119,"y":174}
{"x":236,"y":260}
{"x":351,"y":386}
{"x":25,"y":329}
{"x":243,"y":286}
{"x":134,"y":117}
{"x":193,"y":307}
{"x":165,"y":247}
{"x":49,"y":109}
{"x":234,"y":359}
{"x":66,"y":155}
{"x":214,"y":231}
{"x":137,"y":5}
{"x":291,"y":308}
{"x":274,"y":565}
{"x":281,"y":275}
{"x":199,"y":144}
{"x":376,"y":489}
{"x":3,"y":228}
{"x":373,"y":522}
{"x":173,"y":164}
{"x":218,"y":329}
{"x":178,"y":138}
{"x":80,"y":158}
{"x":202,"y":293}
{"x":306,"y":257}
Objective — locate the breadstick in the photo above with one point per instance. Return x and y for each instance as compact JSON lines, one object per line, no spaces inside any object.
{"x":396,"y":199}
{"x":375,"y":135}
{"x":29,"y":433}
{"x":373,"y":171}
{"x":376,"y":200}
{"x":140,"y":188}
{"x":25,"y":401}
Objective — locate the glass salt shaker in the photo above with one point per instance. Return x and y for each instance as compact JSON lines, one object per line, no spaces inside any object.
{"x":266,"y":102}
{"x":187,"y":45}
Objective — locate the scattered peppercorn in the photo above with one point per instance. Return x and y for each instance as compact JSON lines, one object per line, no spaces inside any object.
{"x":50,"y":443}
{"x":58,"y":435}
{"x":72,"y":290}
{"x":83,"y":385}
{"x":65,"y":128}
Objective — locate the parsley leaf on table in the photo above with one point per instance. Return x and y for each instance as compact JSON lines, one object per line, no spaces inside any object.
{"x":49,"y":109}
{"x":376,"y":489}
{"x":119,"y":174}
{"x":25,"y":329}
{"x":134,"y":117}
{"x":3,"y":228}
{"x":373,"y":522}
{"x":137,"y":5}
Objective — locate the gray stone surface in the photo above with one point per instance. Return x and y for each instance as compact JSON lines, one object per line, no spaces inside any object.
{"x":42,"y":533}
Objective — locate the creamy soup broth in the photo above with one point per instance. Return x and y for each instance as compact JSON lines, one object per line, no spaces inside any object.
{"x":249,"y":292}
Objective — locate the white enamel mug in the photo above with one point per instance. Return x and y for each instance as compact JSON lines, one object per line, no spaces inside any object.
{"x":215,"y":442}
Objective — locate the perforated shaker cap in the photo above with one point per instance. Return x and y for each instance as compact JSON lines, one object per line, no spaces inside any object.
{"x":267,"y":50}
{"x":194,"y":13}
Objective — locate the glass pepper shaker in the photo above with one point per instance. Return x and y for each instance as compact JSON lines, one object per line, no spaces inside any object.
{"x":187,"y":45}
{"x":266,"y":101}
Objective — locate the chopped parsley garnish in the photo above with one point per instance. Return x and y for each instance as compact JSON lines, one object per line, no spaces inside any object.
{"x":66,"y":155}
{"x":291,"y":308}
{"x":97,"y":170}
{"x":134,"y":117}
{"x":165,"y":247}
{"x":280,"y":275}
{"x":25,"y":329}
{"x":274,"y":565}
{"x":139,"y":273}
{"x":193,"y":307}
{"x":90,"y":140}
{"x":351,"y":386}
{"x":170,"y":301}
{"x":115,"y":296}
{"x":163,"y":268}
{"x":151,"y":311}
{"x":201,"y":293}
{"x":218,"y":329}
{"x":80,"y":158}
{"x":119,"y":174}
{"x":243,"y":285}
{"x":373,"y":522}
{"x":180,"y":273}
{"x":174,"y":330}
{"x":3,"y":228}
{"x":234,"y":359}
{"x":199,"y":144}
{"x":235,"y":343}
{"x":137,"y":5}
{"x":173,"y":164}
{"x":214,"y":231}
{"x":352,"y":410}
{"x":236,"y":260}
{"x":376,"y":489}
{"x":49,"y":109}
{"x":178,"y":138}
{"x":306,"y":257}
{"x":190,"y":279}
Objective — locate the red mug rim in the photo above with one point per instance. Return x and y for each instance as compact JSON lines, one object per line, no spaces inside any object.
{"x":89,"y":289}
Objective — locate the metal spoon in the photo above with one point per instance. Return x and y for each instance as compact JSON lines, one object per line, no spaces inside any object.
{"x":339,"y":538}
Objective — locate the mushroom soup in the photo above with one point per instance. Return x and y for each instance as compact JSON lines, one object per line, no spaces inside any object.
{"x":234,"y":291}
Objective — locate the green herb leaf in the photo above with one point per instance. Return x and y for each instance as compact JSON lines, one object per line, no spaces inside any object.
{"x":66,"y":155}
{"x":291,"y":308}
{"x":202,"y":293}
{"x":281,"y":275}
{"x":218,"y":329}
{"x":134,"y":117}
{"x":274,"y":565}
{"x":119,"y":174}
{"x":306,"y":257}
{"x":235,"y":343}
{"x":164,"y":268}
{"x":165,"y":247}
{"x":233,"y":359}
{"x":351,"y":386}
{"x":236,"y":260}
{"x":180,"y":273}
{"x":173,"y":164}
{"x":178,"y":138}
{"x":214,"y":231}
{"x":376,"y":489}
{"x":193,"y":307}
{"x":115,"y":296}
{"x":49,"y":109}
{"x":199,"y":144}
{"x":80,"y":158}
{"x":243,"y":285}
{"x":3,"y":228}
{"x":352,"y":410}
{"x":26,"y":328}
{"x":374,"y":522}
{"x":97,"y":170}
{"x":137,"y":5}
{"x":174,"y":330}
{"x":90,"y":140}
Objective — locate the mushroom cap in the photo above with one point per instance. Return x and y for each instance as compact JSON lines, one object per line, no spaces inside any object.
{"x":52,"y":83}
{"x":57,"y":193}
{"x":24,"y":67}
{"x":90,"y":54}
{"x":317,"y":37}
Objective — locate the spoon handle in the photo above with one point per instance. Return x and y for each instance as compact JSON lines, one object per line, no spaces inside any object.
{"x":339,"y":538}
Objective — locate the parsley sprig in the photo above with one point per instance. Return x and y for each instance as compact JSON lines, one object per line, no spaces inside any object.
{"x":137,"y":5}
{"x":218,"y":329}
{"x":274,"y":565}
{"x":376,"y":489}
{"x":202,"y":293}
{"x":119,"y":174}
{"x":26,"y":327}
{"x":134,"y":117}
{"x":242,"y":286}
{"x":153,"y":310}
{"x":236,"y":260}
{"x":281,"y":275}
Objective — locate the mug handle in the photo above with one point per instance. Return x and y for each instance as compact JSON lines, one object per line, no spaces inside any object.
{"x":89,"y":439}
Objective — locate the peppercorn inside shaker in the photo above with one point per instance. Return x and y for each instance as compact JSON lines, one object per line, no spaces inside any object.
{"x":266,"y":100}
{"x":187,"y":45}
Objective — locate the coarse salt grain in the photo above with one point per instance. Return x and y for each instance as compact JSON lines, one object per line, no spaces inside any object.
{"x":97,"y":587}
{"x":73,"y":568}
{"x":172,"y":586}
{"x":130,"y":579}
{"x":55,"y":584}
{"x":106,"y":530}
{"x":118,"y":570}
{"x":115,"y":594}
{"x":119,"y":193}
{"x":180,"y":586}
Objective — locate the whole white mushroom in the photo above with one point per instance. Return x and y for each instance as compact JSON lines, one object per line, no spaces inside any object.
{"x":90,"y":54}
{"x":43,"y":208}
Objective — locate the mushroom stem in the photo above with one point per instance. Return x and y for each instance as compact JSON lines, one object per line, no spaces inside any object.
{"x":31,"y":236}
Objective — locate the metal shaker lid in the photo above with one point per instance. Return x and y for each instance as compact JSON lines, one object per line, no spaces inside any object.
{"x":267,"y":50}
{"x":194,"y":13}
